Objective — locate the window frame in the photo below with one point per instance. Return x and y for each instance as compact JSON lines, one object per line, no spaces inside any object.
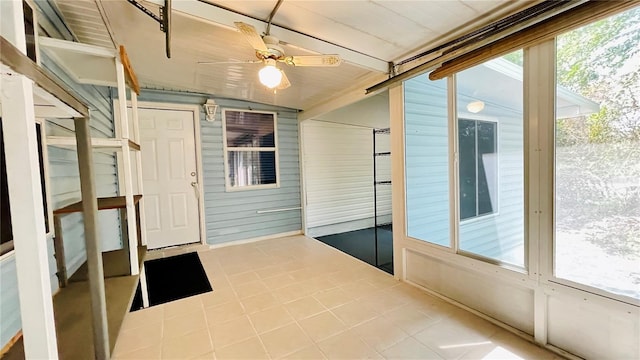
{"x":44,"y":170}
{"x":476,"y":119}
{"x":227,"y":149}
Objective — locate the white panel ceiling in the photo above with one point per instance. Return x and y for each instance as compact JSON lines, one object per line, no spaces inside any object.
{"x":383,"y":30}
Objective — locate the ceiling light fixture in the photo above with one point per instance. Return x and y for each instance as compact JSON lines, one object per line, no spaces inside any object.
{"x":475,"y":106}
{"x":269,"y":75}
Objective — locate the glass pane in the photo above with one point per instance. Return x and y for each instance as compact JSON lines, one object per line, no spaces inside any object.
{"x":487,"y":169}
{"x":597,"y":155}
{"x":427,"y":160}
{"x":249,"y":129}
{"x":468,"y":177}
{"x":491,"y":162}
{"x":248,"y":168}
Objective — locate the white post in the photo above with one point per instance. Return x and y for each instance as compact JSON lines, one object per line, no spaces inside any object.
{"x":136,"y":139}
{"x":25,"y":197}
{"x":132,"y":226}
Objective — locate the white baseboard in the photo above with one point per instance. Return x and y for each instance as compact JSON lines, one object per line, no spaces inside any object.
{"x":261,"y":238}
{"x":346,"y":226}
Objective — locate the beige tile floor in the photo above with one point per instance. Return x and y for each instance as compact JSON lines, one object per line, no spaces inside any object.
{"x":297,"y":298}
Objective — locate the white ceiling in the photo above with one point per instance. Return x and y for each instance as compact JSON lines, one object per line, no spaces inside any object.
{"x":367,"y":34}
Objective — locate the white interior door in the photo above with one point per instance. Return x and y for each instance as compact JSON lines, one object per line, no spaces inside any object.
{"x":169,"y":176}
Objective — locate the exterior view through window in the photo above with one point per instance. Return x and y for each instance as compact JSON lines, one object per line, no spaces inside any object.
{"x":597,"y":156}
{"x":489,"y":102}
{"x":250,"y":149}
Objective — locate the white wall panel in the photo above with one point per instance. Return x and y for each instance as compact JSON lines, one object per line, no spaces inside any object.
{"x":338,"y":163}
{"x":501,"y":300}
{"x":592,"y":330}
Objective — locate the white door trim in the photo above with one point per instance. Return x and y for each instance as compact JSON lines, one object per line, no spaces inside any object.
{"x":195,"y":110}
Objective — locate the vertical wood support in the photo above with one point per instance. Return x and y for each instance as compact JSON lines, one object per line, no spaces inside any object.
{"x":142,"y":228}
{"x":25,"y":197}
{"x":128,"y":180}
{"x":94,"y":254}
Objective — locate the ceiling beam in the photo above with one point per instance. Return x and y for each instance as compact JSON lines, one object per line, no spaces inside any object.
{"x":226,"y":18}
{"x":342,"y":99}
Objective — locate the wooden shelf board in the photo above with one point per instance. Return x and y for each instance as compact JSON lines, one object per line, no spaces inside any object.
{"x":96,"y":143}
{"x":115,"y":202}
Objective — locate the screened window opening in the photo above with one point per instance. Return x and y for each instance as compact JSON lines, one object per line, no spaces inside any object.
{"x":250,"y":149}
{"x":478,"y":148}
{"x":597,"y":157}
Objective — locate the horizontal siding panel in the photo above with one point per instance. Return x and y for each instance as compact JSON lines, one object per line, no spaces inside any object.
{"x":10,"y":309}
{"x":339,"y":173}
{"x":427,"y":166}
{"x":232,"y":215}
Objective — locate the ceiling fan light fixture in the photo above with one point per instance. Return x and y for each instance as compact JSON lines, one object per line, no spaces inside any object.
{"x":269,"y":75}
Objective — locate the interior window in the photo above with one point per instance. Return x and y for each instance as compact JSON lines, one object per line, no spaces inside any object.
{"x":250,"y":149}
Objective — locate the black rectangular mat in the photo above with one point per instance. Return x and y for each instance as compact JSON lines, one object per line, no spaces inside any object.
{"x":173,"y":278}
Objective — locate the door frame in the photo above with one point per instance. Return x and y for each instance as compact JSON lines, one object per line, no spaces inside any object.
{"x":195,"y":111}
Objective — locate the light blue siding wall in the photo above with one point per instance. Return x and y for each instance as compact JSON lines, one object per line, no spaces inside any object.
{"x":499,"y":235}
{"x":427,"y":160}
{"x":9,"y":305}
{"x":231,"y":216}
{"x":64,"y":185}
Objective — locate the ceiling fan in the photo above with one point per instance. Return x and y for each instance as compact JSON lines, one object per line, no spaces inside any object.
{"x":269,"y":52}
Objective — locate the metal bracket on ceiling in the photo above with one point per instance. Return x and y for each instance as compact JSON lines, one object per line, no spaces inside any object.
{"x":164,"y":19}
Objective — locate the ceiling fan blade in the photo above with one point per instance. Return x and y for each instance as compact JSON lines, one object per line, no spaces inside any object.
{"x":284,"y":83}
{"x":229,"y":62}
{"x":252,"y":36}
{"x":313,"y":60}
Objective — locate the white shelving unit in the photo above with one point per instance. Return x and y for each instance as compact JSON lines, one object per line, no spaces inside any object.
{"x":94,"y":65}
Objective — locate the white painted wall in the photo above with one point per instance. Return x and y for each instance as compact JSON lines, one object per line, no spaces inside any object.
{"x":338,"y":168}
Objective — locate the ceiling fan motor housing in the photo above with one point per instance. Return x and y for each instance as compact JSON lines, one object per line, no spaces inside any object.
{"x":275,"y":51}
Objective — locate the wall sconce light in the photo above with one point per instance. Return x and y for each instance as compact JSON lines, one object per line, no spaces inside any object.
{"x":475,"y":106}
{"x":210,"y":108}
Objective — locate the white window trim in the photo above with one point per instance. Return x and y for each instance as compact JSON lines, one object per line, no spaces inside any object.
{"x":226,"y":149}
{"x":47,"y":189}
{"x":47,"y":185}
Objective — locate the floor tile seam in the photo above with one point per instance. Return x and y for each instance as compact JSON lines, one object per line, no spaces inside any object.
{"x":285,"y":356}
{"x":430,"y":347}
{"x":258,"y":335}
{"x":305,"y":317}
{"x":346,"y":328}
{"x":208,"y":326}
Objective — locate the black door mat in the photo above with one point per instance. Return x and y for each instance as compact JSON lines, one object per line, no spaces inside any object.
{"x":173,"y":278}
